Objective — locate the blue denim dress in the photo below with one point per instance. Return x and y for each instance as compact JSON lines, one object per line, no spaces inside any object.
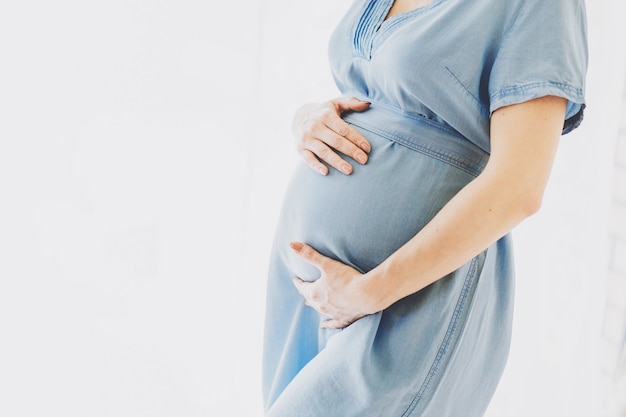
{"x":433,"y":75}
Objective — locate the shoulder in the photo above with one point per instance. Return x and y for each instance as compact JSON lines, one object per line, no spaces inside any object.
{"x":551,"y":11}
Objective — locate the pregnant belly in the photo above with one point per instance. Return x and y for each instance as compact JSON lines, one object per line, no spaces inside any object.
{"x":362,"y":218}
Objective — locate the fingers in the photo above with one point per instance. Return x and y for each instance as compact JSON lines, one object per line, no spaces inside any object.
{"x":343,"y":129}
{"x":318,"y":149}
{"x":350,"y":103}
{"x":309,"y":254}
{"x":330,"y":134}
{"x":311,"y":160}
{"x":346,"y":139}
{"x":334,"y":324}
{"x":323,"y":136}
{"x":321,"y":295}
{"x":312,"y":299}
{"x":302,"y":287}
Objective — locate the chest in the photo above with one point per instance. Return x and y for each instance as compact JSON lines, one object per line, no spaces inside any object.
{"x":414,"y":45}
{"x":403,"y":6}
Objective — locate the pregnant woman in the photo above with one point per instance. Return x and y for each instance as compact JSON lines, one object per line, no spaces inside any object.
{"x":390,"y":289}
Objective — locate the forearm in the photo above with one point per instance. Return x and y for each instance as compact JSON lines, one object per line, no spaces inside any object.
{"x":524,"y":138}
{"x":481,"y":213}
{"x":524,"y":143}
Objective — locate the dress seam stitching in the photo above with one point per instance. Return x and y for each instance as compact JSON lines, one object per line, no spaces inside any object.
{"x":447,"y":340}
{"x":446,"y":157}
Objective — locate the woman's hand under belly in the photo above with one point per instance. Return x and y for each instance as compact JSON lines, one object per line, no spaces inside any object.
{"x":339,"y":293}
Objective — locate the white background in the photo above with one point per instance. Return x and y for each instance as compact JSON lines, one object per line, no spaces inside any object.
{"x":144,"y":149}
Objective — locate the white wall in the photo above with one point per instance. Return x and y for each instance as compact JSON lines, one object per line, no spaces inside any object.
{"x":614,"y":324}
{"x":144,"y":147}
{"x":122,"y":172}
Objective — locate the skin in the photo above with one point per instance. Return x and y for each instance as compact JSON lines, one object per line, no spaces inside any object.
{"x":524,"y":139}
{"x":401,"y":6}
{"x":320,"y":131}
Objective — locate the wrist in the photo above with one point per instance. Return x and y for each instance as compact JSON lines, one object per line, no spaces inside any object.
{"x":377,"y":294}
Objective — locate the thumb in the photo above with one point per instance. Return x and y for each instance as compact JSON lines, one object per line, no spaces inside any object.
{"x":309,"y":254}
{"x":350,"y":103}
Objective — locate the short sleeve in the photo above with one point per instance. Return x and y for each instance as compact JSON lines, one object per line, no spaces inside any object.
{"x":543,"y":52}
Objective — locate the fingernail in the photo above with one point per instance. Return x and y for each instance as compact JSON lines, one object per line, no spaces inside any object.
{"x":361,"y":158}
{"x":365,"y":146}
{"x":297,"y":246}
{"x":345,"y":169}
{"x":321,"y":171}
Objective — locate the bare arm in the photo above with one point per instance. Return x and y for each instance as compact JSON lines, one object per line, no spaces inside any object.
{"x":524,"y":139}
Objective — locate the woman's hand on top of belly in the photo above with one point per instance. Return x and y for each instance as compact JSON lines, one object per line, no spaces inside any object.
{"x":321,"y":133}
{"x":340,"y":293}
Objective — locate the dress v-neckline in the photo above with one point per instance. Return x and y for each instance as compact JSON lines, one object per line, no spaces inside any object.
{"x":374,"y":25}
{"x":393,"y":2}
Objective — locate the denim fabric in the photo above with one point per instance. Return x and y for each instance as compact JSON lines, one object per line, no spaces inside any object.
{"x":433,"y":76}
{"x":449,"y":340}
{"x":457,"y":61}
